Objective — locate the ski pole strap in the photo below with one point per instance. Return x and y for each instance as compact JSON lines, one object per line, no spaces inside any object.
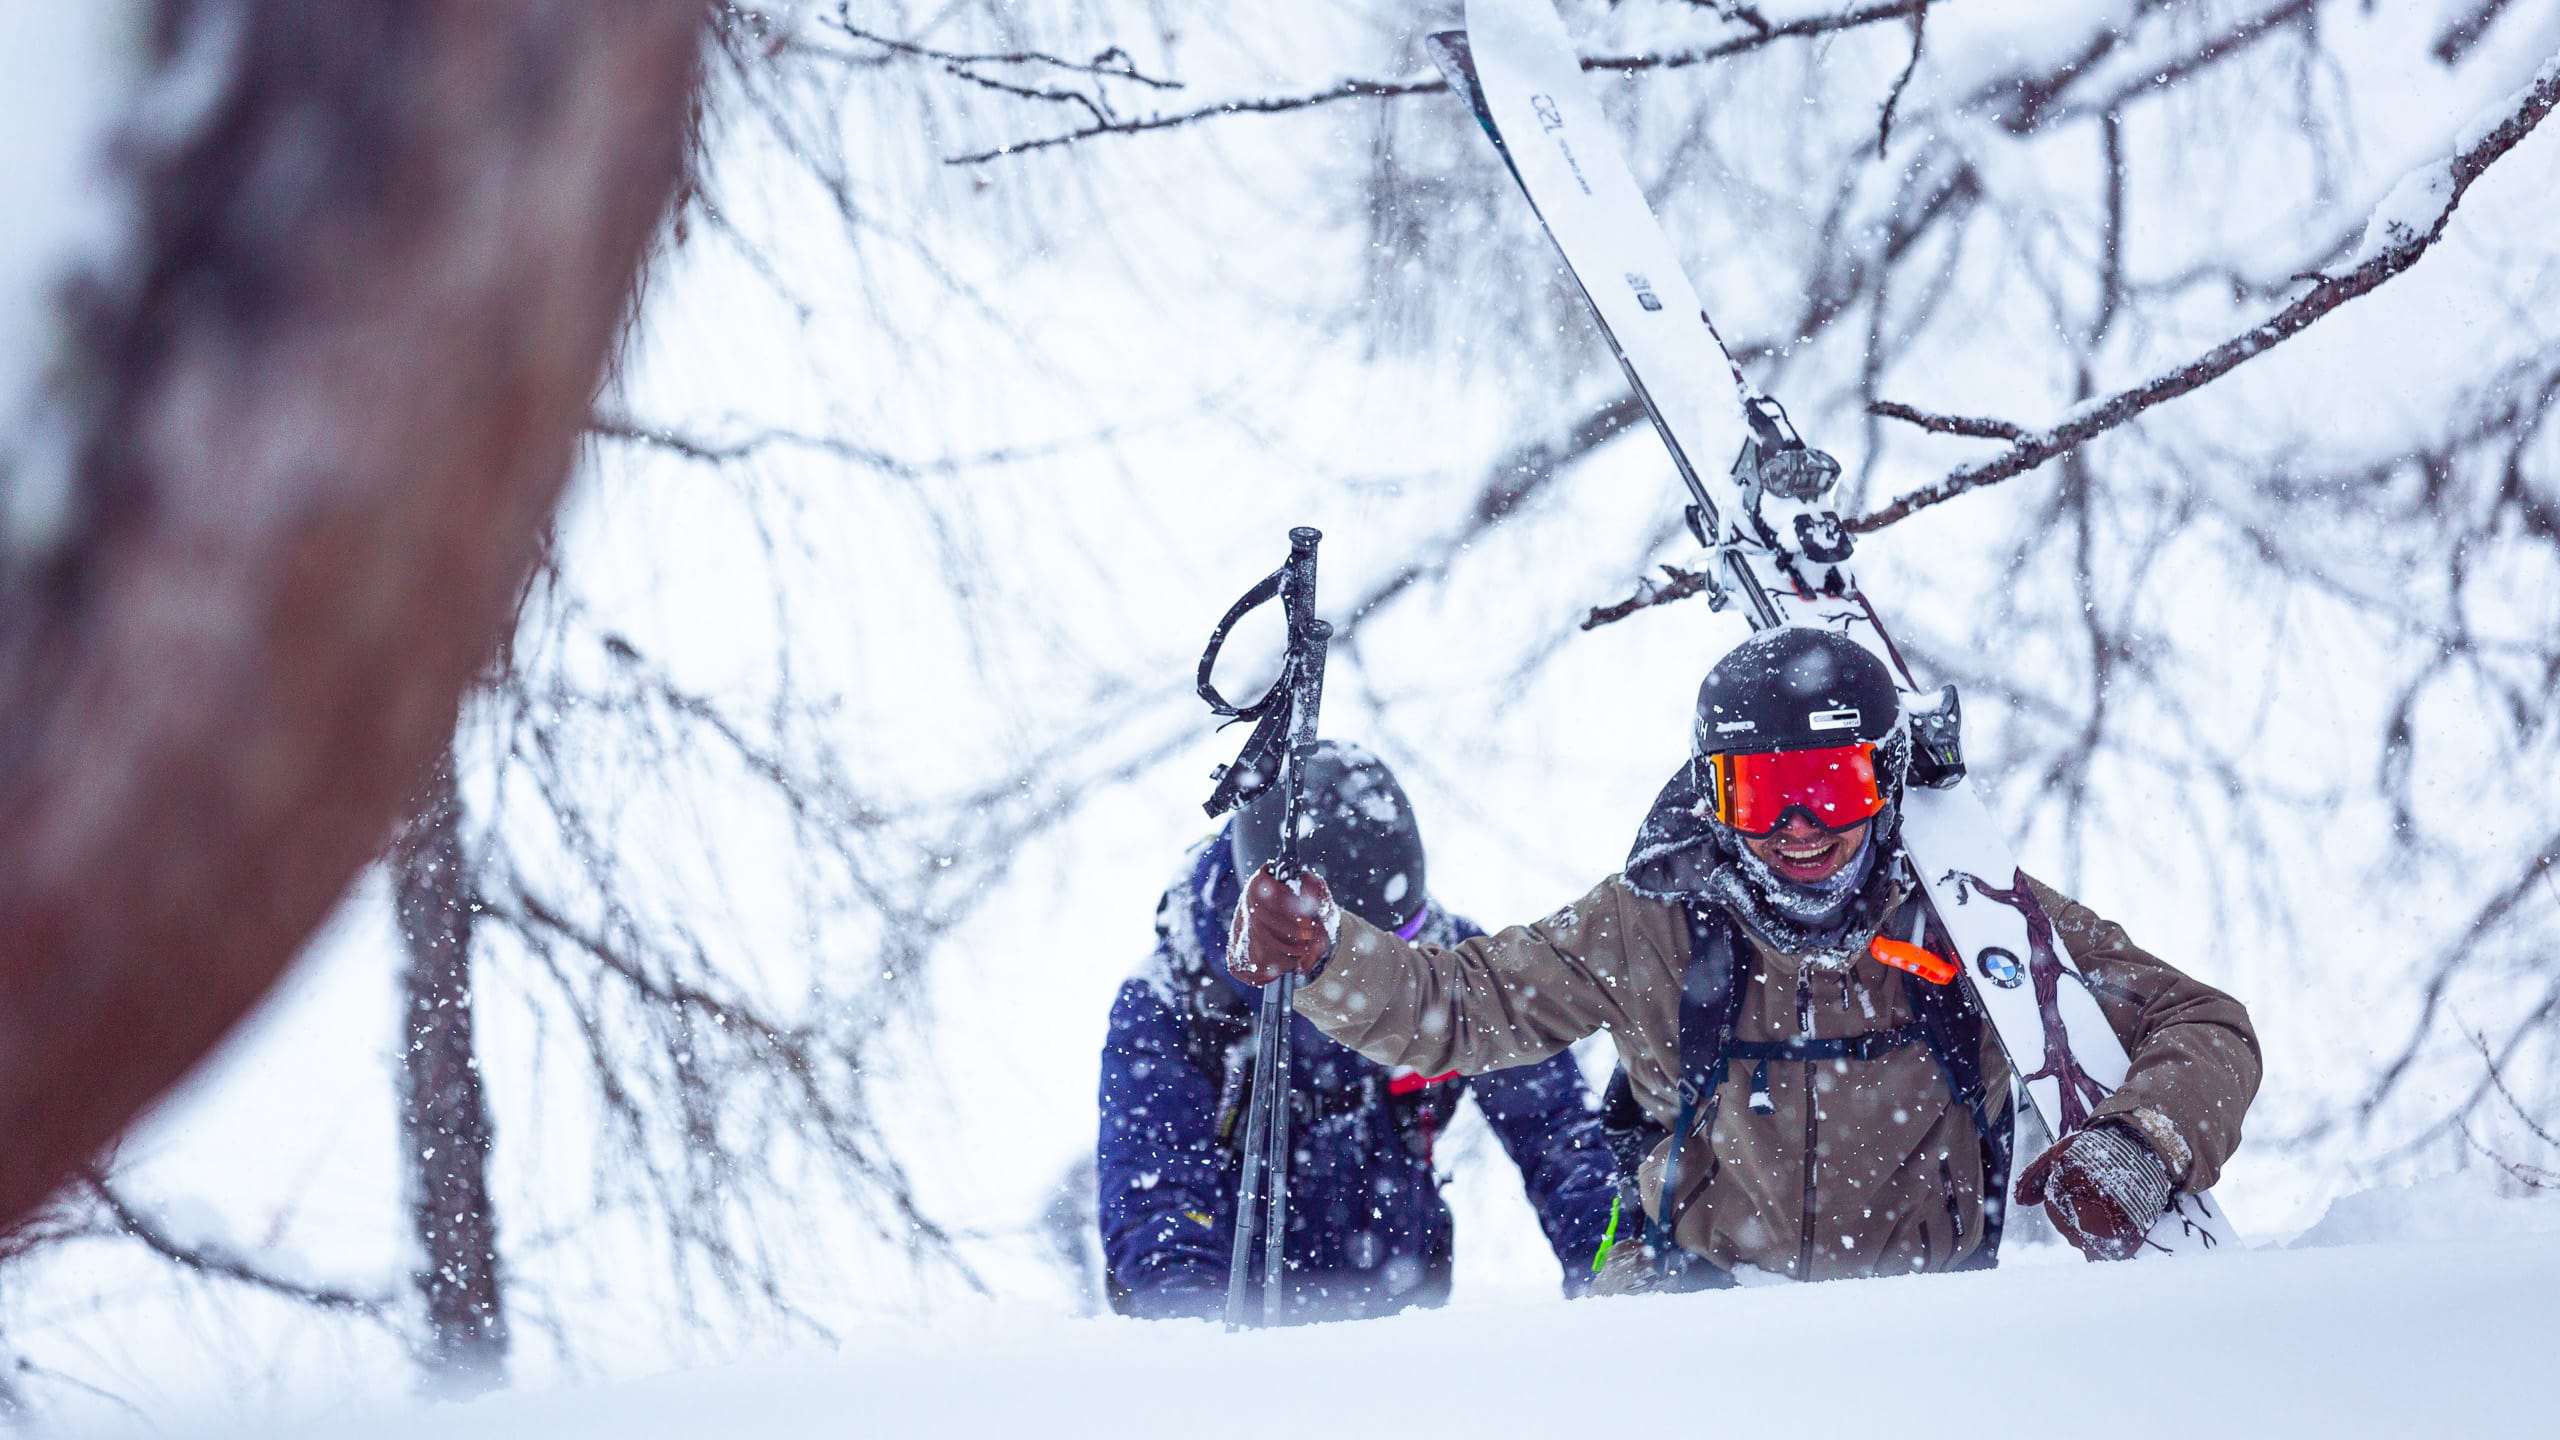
{"x":1285,"y":717}
{"x":1263,"y":592}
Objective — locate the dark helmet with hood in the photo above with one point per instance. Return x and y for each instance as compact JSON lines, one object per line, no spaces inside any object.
{"x":1356,"y":830}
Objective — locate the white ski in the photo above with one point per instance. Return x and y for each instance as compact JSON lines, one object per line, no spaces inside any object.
{"x":1518,"y":67}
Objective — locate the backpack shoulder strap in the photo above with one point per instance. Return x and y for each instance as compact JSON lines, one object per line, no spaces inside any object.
{"x":1710,"y":999}
{"x":1710,"y":990}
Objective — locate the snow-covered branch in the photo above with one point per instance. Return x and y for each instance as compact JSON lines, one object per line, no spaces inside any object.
{"x":2408,"y":223}
{"x":1676,"y":584}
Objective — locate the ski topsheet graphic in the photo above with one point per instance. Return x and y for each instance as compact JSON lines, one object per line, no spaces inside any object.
{"x":1781,"y":555}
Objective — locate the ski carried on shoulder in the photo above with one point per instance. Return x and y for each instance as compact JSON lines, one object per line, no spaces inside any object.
{"x":1781,"y":554}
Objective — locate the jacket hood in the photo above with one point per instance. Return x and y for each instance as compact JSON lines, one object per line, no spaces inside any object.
{"x":1679,"y":844}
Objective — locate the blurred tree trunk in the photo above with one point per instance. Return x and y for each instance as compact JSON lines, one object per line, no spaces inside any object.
{"x":324,"y":409}
{"x":444,"y":1121}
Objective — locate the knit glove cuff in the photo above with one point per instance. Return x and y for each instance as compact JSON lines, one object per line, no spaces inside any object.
{"x":2103,"y":1187}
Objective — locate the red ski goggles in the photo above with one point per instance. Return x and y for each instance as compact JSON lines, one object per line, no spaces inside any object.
{"x":1835,"y":785}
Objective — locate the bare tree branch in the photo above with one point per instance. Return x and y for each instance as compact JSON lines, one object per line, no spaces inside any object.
{"x":730,"y":450}
{"x":2088,"y":422}
{"x":131,"y":1220}
{"x":2466,"y":29}
{"x":1678,"y":584}
{"x":2160,"y":78}
{"x":1113,"y":63}
{"x":1518,"y":475}
{"x":2484,"y":923}
{"x":1893,"y":97}
{"x":1977,"y":427}
{"x":1366,"y":89}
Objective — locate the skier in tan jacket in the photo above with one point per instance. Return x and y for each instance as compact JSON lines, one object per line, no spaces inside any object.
{"x":1846,"y":1117}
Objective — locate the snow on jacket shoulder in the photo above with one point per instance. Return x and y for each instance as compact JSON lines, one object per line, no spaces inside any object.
{"x":1368,"y":1230}
{"x":1835,"y":1167}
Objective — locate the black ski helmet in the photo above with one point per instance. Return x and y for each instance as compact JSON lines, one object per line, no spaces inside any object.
{"x":1356,"y":830}
{"x":1794,"y":688}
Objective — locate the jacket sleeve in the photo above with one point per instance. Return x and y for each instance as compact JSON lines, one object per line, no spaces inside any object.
{"x":1164,"y":1205}
{"x":2195,"y":1062}
{"x":1498,"y":1000}
{"x":1546,"y":1123}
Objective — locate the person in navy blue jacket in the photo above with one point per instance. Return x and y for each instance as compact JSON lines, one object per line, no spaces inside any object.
{"x":1368,"y":1230}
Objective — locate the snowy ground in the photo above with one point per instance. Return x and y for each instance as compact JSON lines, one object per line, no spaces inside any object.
{"x":2446,"y":1332}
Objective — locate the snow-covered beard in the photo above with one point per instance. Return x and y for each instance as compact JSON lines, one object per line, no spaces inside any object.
{"x":1829,"y":922}
{"x":1817,"y":905}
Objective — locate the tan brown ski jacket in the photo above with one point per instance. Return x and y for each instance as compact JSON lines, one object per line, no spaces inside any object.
{"x":1858,"y":1167}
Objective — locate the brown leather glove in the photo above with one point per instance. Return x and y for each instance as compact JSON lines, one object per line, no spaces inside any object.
{"x":2103,"y":1188}
{"x":1279,"y":930}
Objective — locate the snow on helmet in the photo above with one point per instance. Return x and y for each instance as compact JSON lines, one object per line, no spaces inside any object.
{"x":1356,"y":830}
{"x":1794,"y":688}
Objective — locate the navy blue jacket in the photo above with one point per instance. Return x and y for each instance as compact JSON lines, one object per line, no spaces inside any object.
{"x":1368,"y":1231}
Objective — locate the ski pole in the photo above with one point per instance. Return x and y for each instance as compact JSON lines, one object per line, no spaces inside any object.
{"x":1277,"y":751}
{"x":1249,"y":1198}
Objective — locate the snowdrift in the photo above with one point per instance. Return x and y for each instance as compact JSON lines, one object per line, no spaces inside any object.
{"x":2402,"y":1339}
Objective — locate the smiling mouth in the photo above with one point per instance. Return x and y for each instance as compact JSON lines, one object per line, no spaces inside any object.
{"x":1807,"y":859}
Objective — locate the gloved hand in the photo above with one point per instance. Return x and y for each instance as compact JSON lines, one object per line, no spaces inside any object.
{"x":1280,"y":930}
{"x":2103,"y":1187}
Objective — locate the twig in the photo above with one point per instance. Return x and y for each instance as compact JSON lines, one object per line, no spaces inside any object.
{"x":2045,"y":108}
{"x":1893,"y":98}
{"x":1512,"y":481}
{"x":1680,"y":585}
{"x":1977,"y":427}
{"x":1366,"y":89}
{"x":1112,"y":64}
{"x":1266,"y":105}
{"x":2447,"y":968}
{"x":209,"y":1261}
{"x":732,"y":450}
{"x":2498,"y":1079}
{"x":2328,"y":293}
{"x":1736,"y":11}
{"x":2465,"y":30}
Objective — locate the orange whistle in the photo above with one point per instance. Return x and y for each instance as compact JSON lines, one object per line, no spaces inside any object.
{"x":1911,"y":959}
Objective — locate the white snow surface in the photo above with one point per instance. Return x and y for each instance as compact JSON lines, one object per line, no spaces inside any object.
{"x":2449,"y":1208}
{"x":2408,"y":1338}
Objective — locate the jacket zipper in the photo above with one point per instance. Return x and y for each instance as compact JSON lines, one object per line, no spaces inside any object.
{"x":1955,"y":1205}
{"x":1812,"y":1109}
